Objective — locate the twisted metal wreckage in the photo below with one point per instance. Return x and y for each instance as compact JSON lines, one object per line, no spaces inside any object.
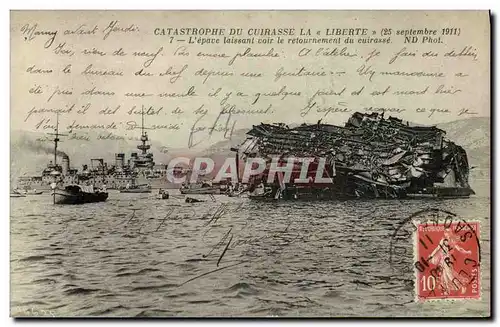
{"x":370,"y":157}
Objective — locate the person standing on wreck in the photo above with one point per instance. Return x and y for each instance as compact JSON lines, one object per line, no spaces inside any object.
{"x":311,"y":182}
{"x":260,"y":189}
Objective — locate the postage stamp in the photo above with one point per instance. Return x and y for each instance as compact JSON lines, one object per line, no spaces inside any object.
{"x":447,"y":260}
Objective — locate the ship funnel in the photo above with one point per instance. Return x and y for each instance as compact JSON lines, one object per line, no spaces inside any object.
{"x":120,"y":160}
{"x":65,"y":165}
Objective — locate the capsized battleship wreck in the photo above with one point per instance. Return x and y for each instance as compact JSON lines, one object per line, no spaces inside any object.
{"x":370,"y":157}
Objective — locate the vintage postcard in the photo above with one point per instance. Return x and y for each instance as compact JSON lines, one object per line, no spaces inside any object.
{"x":250,"y":164}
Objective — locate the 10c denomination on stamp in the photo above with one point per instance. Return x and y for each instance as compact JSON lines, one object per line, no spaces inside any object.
{"x":447,"y":257}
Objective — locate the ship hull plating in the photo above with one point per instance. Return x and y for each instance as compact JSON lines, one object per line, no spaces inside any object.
{"x":371,"y":157}
{"x":328,"y":195}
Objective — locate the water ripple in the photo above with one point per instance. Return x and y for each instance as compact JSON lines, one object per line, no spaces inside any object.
{"x":285,"y":259}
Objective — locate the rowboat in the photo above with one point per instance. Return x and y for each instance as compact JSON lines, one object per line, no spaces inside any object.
{"x":142,"y":188}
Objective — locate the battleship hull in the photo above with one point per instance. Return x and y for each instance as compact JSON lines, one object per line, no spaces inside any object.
{"x":77,"y":197}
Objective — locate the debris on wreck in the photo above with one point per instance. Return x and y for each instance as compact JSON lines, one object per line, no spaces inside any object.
{"x":370,"y":157}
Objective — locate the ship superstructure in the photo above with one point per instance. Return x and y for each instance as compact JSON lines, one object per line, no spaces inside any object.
{"x":139,"y":169}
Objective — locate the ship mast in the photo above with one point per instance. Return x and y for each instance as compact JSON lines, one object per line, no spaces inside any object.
{"x":56,"y":138}
{"x":144,"y":137}
{"x":142,"y":117}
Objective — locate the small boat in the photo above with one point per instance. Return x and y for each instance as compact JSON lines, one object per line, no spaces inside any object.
{"x":203,"y":188}
{"x":28,"y":191}
{"x":16,"y":194}
{"x":163,"y":195}
{"x":264,"y":193}
{"x":78,"y":194}
{"x":33,"y":192}
{"x":192,"y":200}
{"x":141,"y":188}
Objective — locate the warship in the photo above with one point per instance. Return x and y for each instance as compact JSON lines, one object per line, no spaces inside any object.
{"x":370,"y":157}
{"x":64,"y":193}
{"x":139,"y":169}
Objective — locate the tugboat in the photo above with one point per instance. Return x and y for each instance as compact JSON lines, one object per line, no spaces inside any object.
{"x":78,"y":194}
{"x":73,"y":193}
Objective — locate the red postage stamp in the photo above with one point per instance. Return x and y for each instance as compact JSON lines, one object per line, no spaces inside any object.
{"x":447,"y":257}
